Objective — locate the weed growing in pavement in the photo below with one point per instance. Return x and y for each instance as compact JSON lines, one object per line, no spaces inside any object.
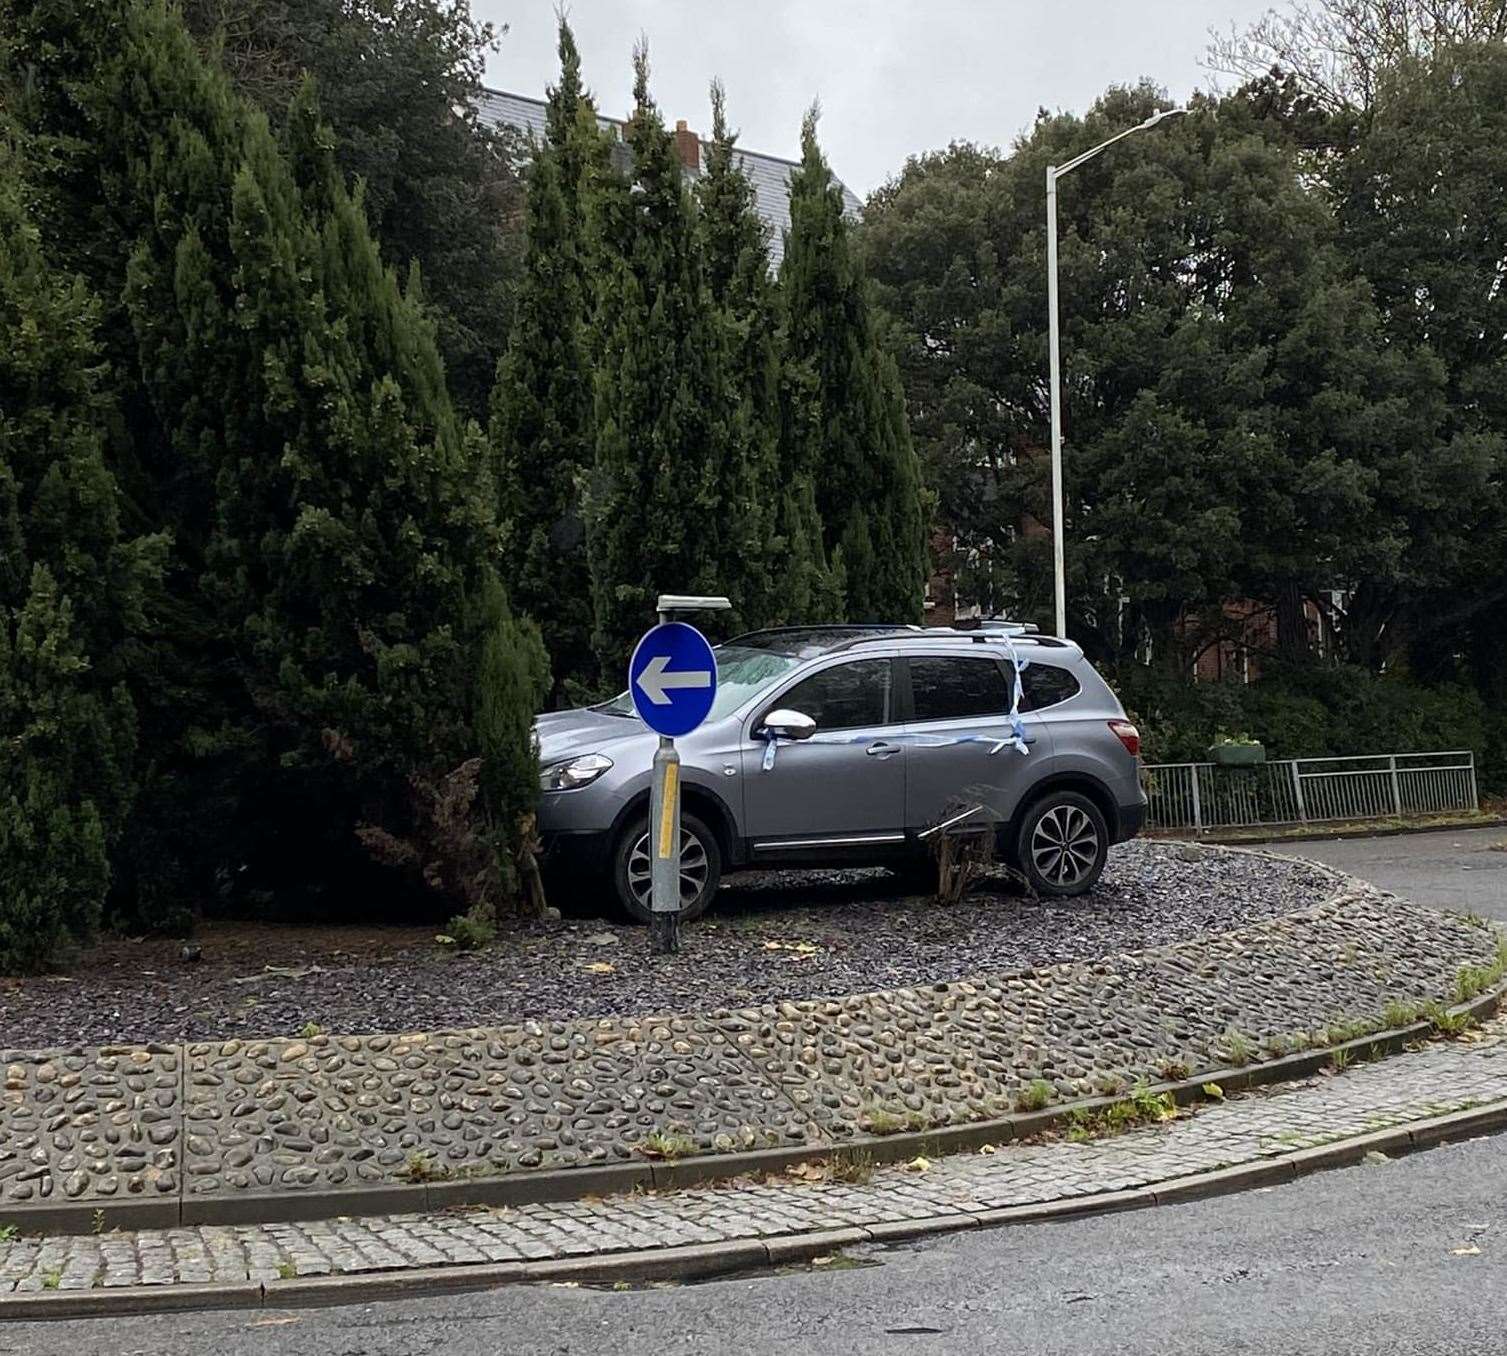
{"x":1339,"y":1060}
{"x":879,"y":1120}
{"x":1474,"y":980}
{"x":9,"y":1233}
{"x":1401,"y":1012}
{"x":668,"y":1146}
{"x":51,"y":1279}
{"x":97,"y":1223}
{"x":1275,"y":1046}
{"x":1352,"y":1028}
{"x":1174,"y":1070}
{"x":1141,"y":1107}
{"x":424,"y":1167}
{"x":1448,"y":1023}
{"x":1150,"y":1106}
{"x":310,"y":1029}
{"x":851,"y":1167}
{"x":1034,"y":1096}
{"x":1237,"y":1048}
{"x":286,"y":1270}
{"x":1109,"y":1085}
{"x":1082,"y":1125}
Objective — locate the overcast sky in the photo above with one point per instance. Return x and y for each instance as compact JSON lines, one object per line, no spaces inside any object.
{"x":895,"y":77}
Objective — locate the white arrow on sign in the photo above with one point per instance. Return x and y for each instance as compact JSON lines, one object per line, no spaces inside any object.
{"x":656,"y":683}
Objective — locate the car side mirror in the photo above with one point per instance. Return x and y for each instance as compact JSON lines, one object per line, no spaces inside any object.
{"x":784,"y":724}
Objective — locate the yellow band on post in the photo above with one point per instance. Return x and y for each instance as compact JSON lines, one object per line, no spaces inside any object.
{"x":669,"y":812}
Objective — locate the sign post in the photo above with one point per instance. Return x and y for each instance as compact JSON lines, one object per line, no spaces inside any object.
{"x":672,"y":679}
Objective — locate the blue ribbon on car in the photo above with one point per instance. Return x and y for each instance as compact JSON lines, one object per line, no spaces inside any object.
{"x":1016,"y":740}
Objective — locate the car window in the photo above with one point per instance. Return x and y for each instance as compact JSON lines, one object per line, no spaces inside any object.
{"x":1046,"y":685}
{"x":742,"y":673}
{"x":845,"y":696}
{"x":946,"y":688}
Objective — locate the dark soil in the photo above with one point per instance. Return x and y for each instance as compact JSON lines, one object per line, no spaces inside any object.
{"x":771,"y":936}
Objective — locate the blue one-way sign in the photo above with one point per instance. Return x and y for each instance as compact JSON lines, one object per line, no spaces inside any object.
{"x":673,"y":678}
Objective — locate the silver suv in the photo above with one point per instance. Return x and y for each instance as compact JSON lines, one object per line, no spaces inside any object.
{"x":843,"y":746}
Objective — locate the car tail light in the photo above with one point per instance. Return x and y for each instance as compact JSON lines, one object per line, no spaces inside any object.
{"x":1128,"y":735}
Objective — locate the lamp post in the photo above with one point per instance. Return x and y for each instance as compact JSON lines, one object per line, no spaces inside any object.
{"x":1054,"y":173}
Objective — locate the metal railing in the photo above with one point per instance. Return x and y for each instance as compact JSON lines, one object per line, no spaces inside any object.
{"x":1202,"y":796}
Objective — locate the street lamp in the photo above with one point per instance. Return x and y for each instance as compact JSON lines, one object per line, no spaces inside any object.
{"x":1054,"y":173}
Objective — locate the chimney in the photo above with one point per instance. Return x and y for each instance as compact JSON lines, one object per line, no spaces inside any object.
{"x":687,"y":147}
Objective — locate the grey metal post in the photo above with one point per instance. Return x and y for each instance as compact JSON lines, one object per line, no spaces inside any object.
{"x":1198,"y":818}
{"x":1475,"y":798}
{"x":664,"y":848}
{"x":664,"y":844}
{"x":1297,"y":791}
{"x":1059,"y":570}
{"x":1396,"y":785}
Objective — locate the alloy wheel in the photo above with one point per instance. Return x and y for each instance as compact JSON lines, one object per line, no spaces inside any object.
{"x":1064,"y":845}
{"x":693,"y":870}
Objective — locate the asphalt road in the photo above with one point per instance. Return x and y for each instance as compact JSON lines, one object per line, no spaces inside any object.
{"x":1408,"y":1256}
{"x":1456,"y":869}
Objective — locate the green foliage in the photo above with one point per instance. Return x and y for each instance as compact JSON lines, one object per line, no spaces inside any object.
{"x":512,"y":682}
{"x":844,"y":414}
{"x":1302,"y":711}
{"x":542,"y":420}
{"x":734,"y":245}
{"x":1034,"y":1095}
{"x":72,"y":585}
{"x":656,"y":516}
{"x":398,"y":86}
{"x":317,"y":611}
{"x":470,"y":931}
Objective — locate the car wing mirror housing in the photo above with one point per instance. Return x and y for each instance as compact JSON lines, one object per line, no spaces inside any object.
{"x":785,"y":724}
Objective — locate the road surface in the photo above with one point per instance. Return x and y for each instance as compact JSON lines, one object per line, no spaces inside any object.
{"x":1459,"y":869}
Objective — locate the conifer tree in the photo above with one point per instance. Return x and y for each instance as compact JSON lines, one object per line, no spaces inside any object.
{"x":541,"y":425}
{"x":844,"y":416}
{"x":656,"y":517}
{"x":71,"y":592}
{"x":289,"y":411}
{"x":784,"y":577}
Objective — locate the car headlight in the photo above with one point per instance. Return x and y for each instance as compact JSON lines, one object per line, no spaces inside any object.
{"x":575,"y":772}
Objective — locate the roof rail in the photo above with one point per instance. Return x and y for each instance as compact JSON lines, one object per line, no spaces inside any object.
{"x":1014,"y":632}
{"x":858,"y":628}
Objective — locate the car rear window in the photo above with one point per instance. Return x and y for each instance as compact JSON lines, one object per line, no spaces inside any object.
{"x":947,"y":688}
{"x":1044,"y":685}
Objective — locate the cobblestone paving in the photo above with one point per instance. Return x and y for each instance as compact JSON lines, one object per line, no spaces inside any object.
{"x":248,"y":1118}
{"x":1361,"y":1100}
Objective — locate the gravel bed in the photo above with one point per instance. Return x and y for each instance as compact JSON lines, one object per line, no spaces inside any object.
{"x":772,"y":936}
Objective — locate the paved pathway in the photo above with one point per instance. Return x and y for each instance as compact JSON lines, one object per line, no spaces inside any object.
{"x":1444,"y":1077}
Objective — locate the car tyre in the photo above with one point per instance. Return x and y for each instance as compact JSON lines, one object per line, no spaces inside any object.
{"x":700,"y":868}
{"x":1062,"y":844}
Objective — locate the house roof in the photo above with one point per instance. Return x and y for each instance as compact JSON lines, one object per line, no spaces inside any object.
{"x":769,"y":174}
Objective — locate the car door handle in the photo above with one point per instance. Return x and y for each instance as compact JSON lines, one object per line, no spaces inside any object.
{"x":879,"y":749}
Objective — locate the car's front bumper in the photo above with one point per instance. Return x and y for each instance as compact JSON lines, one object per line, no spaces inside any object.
{"x":579,"y":850}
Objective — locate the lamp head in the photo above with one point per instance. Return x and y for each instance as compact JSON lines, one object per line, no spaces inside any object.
{"x":1165,"y":113}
